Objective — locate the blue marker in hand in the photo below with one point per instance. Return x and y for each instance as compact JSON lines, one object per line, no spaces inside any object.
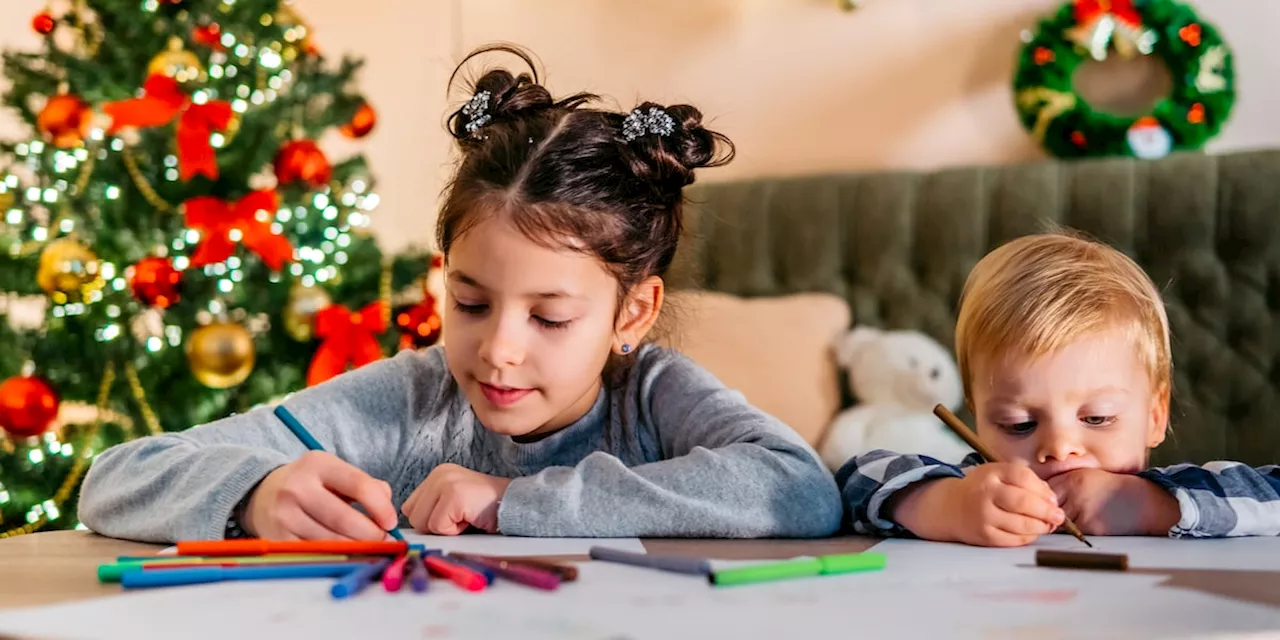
{"x":310,"y":442}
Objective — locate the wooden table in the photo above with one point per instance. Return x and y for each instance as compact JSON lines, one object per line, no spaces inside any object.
{"x":61,"y":566}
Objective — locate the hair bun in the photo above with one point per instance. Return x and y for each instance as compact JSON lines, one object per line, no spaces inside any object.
{"x":669,"y":143}
{"x":499,"y":95}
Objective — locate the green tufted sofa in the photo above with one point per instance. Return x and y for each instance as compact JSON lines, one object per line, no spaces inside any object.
{"x":898,"y":245}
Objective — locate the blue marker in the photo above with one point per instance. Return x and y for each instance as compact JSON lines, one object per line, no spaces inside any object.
{"x":355,"y":582}
{"x":200,"y":575}
{"x":311,"y":443}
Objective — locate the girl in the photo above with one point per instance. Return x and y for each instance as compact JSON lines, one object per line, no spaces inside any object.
{"x":546,"y":415}
{"x":1063,"y":347}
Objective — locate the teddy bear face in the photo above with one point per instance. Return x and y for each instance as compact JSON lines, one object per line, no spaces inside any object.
{"x":906,"y":368}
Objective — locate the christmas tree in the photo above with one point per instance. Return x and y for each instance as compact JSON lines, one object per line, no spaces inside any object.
{"x":175,"y":246}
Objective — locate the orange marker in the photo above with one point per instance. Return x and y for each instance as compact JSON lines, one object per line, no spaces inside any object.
{"x":256,"y":547}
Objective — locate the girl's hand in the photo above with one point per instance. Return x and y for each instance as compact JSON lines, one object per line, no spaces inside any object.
{"x":453,"y":498}
{"x":309,"y":499}
{"x":1102,"y":503}
{"x":997,"y":504}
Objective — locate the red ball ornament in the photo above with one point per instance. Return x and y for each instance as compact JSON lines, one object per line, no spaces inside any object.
{"x":43,"y":23}
{"x":28,"y":406}
{"x":209,"y":35}
{"x":155,"y":282}
{"x":419,"y":324}
{"x":302,"y":160}
{"x":361,"y":123}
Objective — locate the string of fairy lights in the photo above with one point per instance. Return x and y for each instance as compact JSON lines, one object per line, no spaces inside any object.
{"x":64,"y":196}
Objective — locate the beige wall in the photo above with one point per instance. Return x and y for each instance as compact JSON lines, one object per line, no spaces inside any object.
{"x":799,"y":85}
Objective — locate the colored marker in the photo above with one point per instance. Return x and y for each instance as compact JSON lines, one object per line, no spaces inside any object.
{"x":112,"y":572}
{"x":566,"y":572}
{"x":695,"y":566}
{"x":355,"y":581}
{"x":489,"y":574}
{"x":460,"y":575}
{"x":258,"y":547}
{"x":393,"y":577}
{"x":417,"y":572}
{"x":201,"y":575}
{"x":528,"y":576}
{"x":799,"y":568}
{"x":310,"y":442}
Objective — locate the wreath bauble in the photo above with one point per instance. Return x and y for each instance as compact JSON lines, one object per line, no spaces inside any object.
{"x":1198,"y":60}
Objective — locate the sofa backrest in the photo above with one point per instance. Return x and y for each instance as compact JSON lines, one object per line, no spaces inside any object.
{"x":898,"y":246}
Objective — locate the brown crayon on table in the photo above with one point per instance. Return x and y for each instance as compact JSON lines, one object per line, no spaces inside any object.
{"x":972,"y":440}
{"x":1082,"y":560}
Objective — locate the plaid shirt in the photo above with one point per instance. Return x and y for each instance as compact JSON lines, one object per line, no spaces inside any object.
{"x":1218,"y":500}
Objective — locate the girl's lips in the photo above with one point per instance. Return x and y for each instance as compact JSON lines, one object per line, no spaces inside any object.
{"x":501,"y":397}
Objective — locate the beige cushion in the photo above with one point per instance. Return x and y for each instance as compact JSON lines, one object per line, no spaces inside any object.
{"x":776,"y":351}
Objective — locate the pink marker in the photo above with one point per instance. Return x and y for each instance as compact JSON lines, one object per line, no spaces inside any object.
{"x":393,"y":577}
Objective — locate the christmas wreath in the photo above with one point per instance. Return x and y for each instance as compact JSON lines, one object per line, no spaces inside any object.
{"x":1198,"y":60}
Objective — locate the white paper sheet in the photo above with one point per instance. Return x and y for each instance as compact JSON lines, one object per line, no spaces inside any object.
{"x":927,"y":590}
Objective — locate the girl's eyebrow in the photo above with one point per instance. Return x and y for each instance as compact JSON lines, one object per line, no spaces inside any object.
{"x":467,"y":280}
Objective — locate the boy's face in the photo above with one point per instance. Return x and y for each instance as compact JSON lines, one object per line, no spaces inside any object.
{"x":529,"y":328}
{"x":1089,"y":405}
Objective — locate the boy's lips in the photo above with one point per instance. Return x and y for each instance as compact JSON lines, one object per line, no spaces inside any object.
{"x":502,"y":396}
{"x":1052,"y":469}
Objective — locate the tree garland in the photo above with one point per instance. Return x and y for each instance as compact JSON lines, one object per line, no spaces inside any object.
{"x":1198,"y":59}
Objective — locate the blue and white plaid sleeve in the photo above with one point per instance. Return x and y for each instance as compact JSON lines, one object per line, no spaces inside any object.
{"x":869,"y":480}
{"x":1222,"y":499}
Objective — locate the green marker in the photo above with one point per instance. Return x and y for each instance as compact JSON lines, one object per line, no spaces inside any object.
{"x":799,"y":568}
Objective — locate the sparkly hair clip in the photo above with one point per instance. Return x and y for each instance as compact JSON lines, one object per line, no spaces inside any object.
{"x":655,"y":121}
{"x":477,"y":111}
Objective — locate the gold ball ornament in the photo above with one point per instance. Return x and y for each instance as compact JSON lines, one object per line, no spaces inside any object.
{"x":6,"y":200}
{"x":220,"y":354}
{"x":68,"y":271}
{"x":177,"y":63}
{"x":300,"y":312}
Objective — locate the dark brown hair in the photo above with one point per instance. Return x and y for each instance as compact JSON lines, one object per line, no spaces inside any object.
{"x":566,"y":175}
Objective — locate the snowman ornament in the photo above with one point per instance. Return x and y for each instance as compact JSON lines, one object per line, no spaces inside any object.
{"x":1148,"y":140}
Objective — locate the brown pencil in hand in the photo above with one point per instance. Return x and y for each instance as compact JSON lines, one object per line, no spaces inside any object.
{"x":971,"y":438}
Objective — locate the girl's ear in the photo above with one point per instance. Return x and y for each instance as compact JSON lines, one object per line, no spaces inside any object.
{"x":639,"y":312}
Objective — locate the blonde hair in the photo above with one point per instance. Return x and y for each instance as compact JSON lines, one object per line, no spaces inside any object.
{"x":1035,"y":295}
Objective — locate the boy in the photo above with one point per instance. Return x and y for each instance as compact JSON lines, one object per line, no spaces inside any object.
{"x":1063,"y":347}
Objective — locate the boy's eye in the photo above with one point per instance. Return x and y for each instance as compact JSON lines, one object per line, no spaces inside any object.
{"x":1020,"y":428}
{"x":551,"y":324}
{"x":1097,"y":421}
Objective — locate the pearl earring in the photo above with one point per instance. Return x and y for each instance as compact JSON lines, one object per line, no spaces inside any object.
{"x":626,"y":348}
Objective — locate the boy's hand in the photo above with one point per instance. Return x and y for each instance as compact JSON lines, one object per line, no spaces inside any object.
{"x":453,"y":498}
{"x":997,"y":504}
{"x":1102,"y":503}
{"x":309,"y":499}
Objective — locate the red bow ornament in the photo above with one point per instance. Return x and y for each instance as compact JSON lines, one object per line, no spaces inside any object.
{"x":1100,"y":23}
{"x":348,"y":339}
{"x":162,"y":100}
{"x":247,"y":221}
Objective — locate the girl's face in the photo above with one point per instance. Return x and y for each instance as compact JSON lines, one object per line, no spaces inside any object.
{"x":529,"y":328}
{"x":1090,"y":405}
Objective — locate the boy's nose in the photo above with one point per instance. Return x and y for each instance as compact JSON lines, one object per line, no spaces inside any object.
{"x":1058,"y":443}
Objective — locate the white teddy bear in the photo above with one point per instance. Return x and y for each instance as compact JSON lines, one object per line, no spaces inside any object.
{"x":898,"y":377}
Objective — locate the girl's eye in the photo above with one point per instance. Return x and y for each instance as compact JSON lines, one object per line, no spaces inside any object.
{"x":1020,"y":428}
{"x":470,"y":309}
{"x":551,"y":324}
{"x":1097,"y":421}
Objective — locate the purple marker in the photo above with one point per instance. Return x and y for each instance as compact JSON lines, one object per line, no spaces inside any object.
{"x":418,"y":577}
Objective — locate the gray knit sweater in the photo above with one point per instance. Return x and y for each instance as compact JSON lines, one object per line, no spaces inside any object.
{"x":669,"y":452}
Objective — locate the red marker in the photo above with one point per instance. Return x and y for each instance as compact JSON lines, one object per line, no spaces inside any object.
{"x":461,"y":576}
{"x":256,"y":547}
{"x":393,"y":576}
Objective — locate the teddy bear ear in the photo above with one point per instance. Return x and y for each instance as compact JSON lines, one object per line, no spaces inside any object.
{"x":849,"y":345}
